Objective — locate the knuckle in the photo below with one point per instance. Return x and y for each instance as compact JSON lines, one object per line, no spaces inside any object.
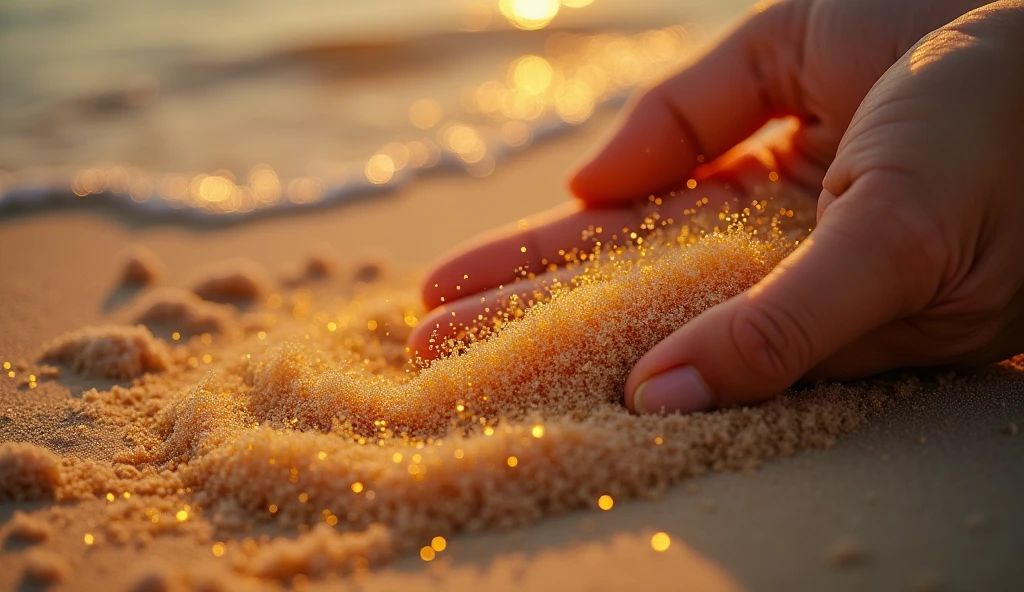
{"x":909,"y":238}
{"x":966,"y":341}
{"x":773,"y":342}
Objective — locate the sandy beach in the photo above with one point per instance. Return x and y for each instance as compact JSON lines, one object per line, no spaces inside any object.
{"x":923,"y":496}
{"x":215,"y":220}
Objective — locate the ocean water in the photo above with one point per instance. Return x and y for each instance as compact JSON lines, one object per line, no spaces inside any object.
{"x":233,"y":107}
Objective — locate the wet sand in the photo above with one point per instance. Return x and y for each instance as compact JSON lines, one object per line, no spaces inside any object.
{"x":922,"y":497}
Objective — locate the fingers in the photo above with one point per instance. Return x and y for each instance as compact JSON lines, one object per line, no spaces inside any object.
{"x":933,"y":340}
{"x":853,"y":275}
{"x":500,"y":257}
{"x":703,"y":111}
{"x":452,"y":320}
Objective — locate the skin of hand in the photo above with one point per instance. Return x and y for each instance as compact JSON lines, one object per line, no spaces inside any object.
{"x":909,"y":126}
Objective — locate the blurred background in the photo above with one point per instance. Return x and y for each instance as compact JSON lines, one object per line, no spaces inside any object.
{"x":232,"y":107}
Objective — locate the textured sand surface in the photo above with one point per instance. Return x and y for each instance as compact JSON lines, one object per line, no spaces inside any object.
{"x":932,"y":479}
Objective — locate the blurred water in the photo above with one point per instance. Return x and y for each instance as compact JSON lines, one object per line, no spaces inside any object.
{"x":107,"y":96}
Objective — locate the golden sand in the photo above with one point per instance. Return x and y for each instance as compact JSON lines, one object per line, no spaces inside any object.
{"x":46,"y":567}
{"x":184,"y":311}
{"x":26,"y":528}
{"x":27,"y":472}
{"x":306,"y":416}
{"x":239,"y":279}
{"x":110,"y":351}
{"x":142,"y":267}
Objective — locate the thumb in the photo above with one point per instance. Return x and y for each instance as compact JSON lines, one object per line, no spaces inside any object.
{"x":701,"y":112}
{"x":855,"y":273}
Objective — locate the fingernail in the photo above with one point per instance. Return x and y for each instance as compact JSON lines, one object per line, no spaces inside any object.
{"x":678,"y":390}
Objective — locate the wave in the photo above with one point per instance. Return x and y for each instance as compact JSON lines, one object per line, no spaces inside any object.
{"x":552,"y":83}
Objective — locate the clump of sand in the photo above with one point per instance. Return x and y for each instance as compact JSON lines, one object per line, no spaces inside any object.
{"x":26,"y":528}
{"x":46,"y":567}
{"x":110,"y":351}
{"x":322,"y":262}
{"x":321,"y":550}
{"x":142,"y":267}
{"x":234,"y":280}
{"x":184,"y":311}
{"x":28,"y":472}
{"x":371,"y":270}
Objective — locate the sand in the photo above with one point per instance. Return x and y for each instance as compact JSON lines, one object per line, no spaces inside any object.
{"x":171,"y":427}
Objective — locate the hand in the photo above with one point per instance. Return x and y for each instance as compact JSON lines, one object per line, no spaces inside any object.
{"x":913,"y":261}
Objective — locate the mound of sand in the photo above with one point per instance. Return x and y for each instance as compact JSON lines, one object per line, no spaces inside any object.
{"x":46,"y":567}
{"x":321,"y":550}
{"x":184,"y":311}
{"x":237,"y":279}
{"x":142,"y":267}
{"x":110,"y":351}
{"x":26,"y":528}
{"x":28,"y":472}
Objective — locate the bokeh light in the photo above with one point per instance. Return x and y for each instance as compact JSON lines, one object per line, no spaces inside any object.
{"x":425,"y":113}
{"x":574,"y":101}
{"x":464,"y":142}
{"x":529,"y":14}
{"x":563,"y":82}
{"x":531,"y":74}
{"x":379,"y":169}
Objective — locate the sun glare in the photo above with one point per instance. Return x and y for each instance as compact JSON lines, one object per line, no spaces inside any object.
{"x":529,"y":14}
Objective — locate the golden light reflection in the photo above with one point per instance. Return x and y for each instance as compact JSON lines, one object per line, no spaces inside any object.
{"x":567,"y":81}
{"x":464,"y":142}
{"x":529,"y":14}
{"x":422,"y":154}
{"x":398,"y":153}
{"x":574,"y":101}
{"x":936,"y":46}
{"x":425,"y":113}
{"x":89,"y":181}
{"x":173,"y":188}
{"x":531,"y":74}
{"x":266,"y":187}
{"x":215,"y":189}
{"x":515,"y":133}
{"x":140,"y":190}
{"x":304,"y":190}
{"x":379,"y":169}
{"x":660,"y":542}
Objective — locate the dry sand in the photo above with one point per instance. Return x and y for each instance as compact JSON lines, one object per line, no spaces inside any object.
{"x":928,"y":489}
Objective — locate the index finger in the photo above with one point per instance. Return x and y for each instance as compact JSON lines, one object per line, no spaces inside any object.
{"x":529,"y":246}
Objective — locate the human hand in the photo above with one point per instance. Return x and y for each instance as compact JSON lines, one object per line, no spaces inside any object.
{"x":923,"y":234}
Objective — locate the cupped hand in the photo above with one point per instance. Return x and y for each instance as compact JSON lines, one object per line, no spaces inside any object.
{"x":916,"y":257}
